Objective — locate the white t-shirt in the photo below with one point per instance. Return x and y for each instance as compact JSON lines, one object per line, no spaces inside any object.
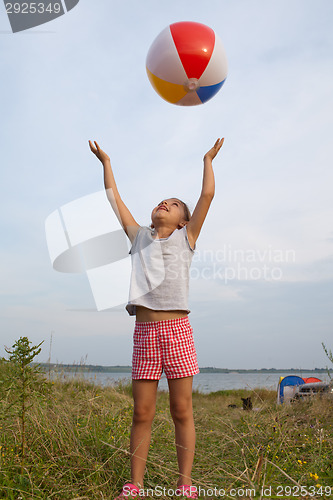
{"x":160,"y":271}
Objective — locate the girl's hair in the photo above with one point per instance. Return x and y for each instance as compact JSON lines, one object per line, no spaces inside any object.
{"x":187,"y":212}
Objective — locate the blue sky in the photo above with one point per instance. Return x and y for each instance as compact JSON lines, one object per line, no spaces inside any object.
{"x":82,"y":76}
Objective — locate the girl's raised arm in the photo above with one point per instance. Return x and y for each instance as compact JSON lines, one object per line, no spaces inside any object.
{"x":207,"y":194}
{"x":124,"y":216}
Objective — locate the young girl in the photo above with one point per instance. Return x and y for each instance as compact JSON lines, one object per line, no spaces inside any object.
{"x":163,"y":340}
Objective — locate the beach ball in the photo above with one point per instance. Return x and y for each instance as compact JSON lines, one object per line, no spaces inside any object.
{"x":186,"y":64}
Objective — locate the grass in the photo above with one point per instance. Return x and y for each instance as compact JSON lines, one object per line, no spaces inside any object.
{"x":77,"y":441}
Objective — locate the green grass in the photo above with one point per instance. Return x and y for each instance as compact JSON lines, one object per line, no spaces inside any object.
{"x":77,"y":441}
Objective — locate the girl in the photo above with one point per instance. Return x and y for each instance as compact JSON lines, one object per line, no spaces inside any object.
{"x":163,"y":340}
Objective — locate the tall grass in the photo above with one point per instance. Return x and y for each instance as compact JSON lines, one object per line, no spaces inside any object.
{"x":77,"y":441}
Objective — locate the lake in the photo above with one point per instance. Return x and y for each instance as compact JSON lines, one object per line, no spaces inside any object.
{"x":206,"y":382}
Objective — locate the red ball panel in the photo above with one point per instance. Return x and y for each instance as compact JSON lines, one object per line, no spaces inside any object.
{"x":195,"y":44}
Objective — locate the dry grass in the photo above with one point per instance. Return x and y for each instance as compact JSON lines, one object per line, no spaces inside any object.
{"x":78,"y":437}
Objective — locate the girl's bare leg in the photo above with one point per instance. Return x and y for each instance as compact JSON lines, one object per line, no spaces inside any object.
{"x":182,"y":414}
{"x":144,"y":394}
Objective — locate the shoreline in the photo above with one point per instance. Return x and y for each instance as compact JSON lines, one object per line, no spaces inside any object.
{"x":127,"y":369}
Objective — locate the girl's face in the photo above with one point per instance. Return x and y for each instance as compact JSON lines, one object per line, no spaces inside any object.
{"x":169,"y":212}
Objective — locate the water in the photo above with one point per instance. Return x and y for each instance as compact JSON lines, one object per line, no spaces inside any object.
{"x":207,"y":382}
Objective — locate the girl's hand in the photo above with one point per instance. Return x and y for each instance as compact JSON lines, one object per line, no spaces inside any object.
{"x":101,"y":155}
{"x":215,"y":149}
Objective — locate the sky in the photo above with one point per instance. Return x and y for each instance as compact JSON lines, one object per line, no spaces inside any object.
{"x":261,"y":290}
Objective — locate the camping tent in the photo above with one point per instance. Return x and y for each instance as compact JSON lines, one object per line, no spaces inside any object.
{"x":287,"y":387}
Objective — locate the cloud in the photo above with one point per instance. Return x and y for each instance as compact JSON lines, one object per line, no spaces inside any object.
{"x":276,"y":325}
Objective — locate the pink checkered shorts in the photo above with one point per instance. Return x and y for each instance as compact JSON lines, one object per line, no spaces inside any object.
{"x":164,"y":345}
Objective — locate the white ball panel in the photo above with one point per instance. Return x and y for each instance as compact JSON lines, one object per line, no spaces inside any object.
{"x":217,"y":67}
{"x":163,"y":59}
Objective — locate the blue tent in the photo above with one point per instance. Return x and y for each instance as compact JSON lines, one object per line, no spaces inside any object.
{"x":290,"y":380}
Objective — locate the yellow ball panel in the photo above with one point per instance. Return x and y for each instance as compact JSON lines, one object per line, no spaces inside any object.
{"x":171,"y":92}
